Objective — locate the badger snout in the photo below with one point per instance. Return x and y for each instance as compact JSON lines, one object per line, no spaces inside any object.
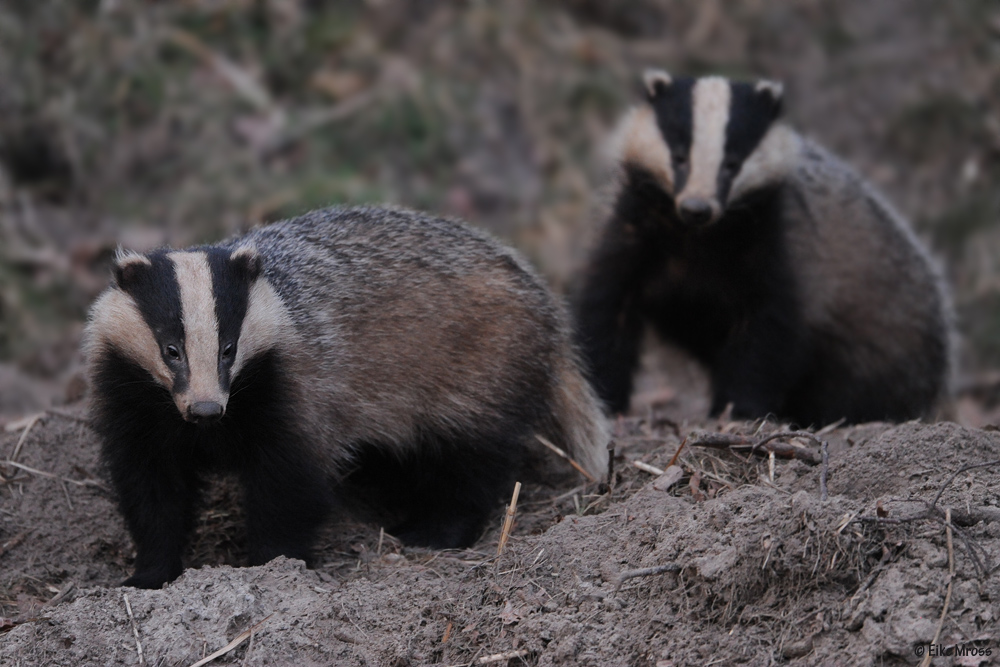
{"x":205,"y":412}
{"x":697,"y":211}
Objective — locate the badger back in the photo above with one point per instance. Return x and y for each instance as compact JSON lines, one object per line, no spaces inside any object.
{"x":412,"y":323}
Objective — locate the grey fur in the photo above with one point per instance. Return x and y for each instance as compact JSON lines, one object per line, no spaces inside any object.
{"x":404,"y":321}
{"x":865,"y":277}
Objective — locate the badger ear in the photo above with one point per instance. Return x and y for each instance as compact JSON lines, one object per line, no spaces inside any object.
{"x":773,"y":91}
{"x":656,"y":81}
{"x":247,"y":261}
{"x":129,"y":267}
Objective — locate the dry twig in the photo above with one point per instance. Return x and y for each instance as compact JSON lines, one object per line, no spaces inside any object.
{"x":63,"y":592}
{"x":933,"y":513}
{"x":951,"y":479}
{"x":135,"y":628}
{"x":242,"y":637}
{"x":737,"y":443}
{"x":508,"y":521}
{"x":646,"y":572}
{"x":673,"y":459}
{"x":566,"y":456}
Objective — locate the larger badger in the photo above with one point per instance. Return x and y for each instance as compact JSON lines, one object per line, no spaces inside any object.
{"x":409,"y":350}
{"x":802,"y":290}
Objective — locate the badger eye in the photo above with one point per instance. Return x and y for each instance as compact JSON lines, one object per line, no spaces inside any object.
{"x":227,"y":351}
{"x":173,"y":352}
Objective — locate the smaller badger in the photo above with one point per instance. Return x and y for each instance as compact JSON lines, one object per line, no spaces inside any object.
{"x":410,"y":353}
{"x":771,"y":261}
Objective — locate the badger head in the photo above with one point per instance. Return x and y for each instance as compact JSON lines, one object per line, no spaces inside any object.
{"x":705,"y":142}
{"x":191,"y":319}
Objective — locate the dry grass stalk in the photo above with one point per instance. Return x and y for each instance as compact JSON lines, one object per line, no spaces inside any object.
{"x":830,"y":428}
{"x":824,"y":471}
{"x":648,"y":468}
{"x":25,"y":422}
{"x":502,"y":657}
{"x":50,"y":475}
{"x":242,"y":637}
{"x":947,"y":596}
{"x":566,"y":456}
{"x":508,"y":521}
{"x":67,"y":588}
{"x":34,"y":419}
{"x":673,"y":459}
{"x":135,"y":629}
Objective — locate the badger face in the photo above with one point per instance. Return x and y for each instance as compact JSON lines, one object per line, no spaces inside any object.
{"x":696,"y":136}
{"x":184,"y":317}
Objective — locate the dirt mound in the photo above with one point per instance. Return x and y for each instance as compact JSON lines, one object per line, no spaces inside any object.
{"x":754,"y":567}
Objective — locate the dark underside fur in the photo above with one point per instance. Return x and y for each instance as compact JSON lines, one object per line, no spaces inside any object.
{"x":156,"y":461}
{"x":443,"y":497}
{"x":727,"y":294}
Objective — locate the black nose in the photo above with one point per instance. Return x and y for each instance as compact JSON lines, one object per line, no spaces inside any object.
{"x":695,"y":211}
{"x":205,"y":412}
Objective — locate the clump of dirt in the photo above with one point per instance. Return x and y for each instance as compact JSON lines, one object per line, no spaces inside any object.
{"x":753,"y":566}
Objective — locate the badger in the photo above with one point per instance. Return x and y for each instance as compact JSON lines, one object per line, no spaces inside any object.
{"x":803,"y":292}
{"x":374,"y":343}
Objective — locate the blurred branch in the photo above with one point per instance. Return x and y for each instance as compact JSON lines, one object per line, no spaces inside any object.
{"x":241,"y":80}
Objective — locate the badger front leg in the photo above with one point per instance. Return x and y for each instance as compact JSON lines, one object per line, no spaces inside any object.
{"x":759,"y":363}
{"x":608,"y":317}
{"x":286,"y":496}
{"x":157,"y":498}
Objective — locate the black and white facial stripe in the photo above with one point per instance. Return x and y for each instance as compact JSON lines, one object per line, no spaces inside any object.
{"x":709,"y":128}
{"x":192,"y":311}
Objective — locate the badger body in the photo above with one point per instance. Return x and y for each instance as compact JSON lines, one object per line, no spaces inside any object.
{"x":799,"y":287}
{"x":379,"y":344}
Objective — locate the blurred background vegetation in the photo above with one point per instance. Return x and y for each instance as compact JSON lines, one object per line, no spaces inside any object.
{"x":144,"y":123}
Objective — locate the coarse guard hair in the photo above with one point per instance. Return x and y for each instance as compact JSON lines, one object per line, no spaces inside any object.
{"x":379,"y":348}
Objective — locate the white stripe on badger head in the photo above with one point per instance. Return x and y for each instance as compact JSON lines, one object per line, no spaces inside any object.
{"x":266,"y":325}
{"x":710,"y":116}
{"x":637,"y":141}
{"x":201,"y":329}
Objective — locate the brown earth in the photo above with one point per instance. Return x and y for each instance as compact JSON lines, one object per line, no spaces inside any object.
{"x":765,"y":570}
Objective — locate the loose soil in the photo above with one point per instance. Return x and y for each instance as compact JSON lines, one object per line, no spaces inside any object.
{"x":765,"y":571}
